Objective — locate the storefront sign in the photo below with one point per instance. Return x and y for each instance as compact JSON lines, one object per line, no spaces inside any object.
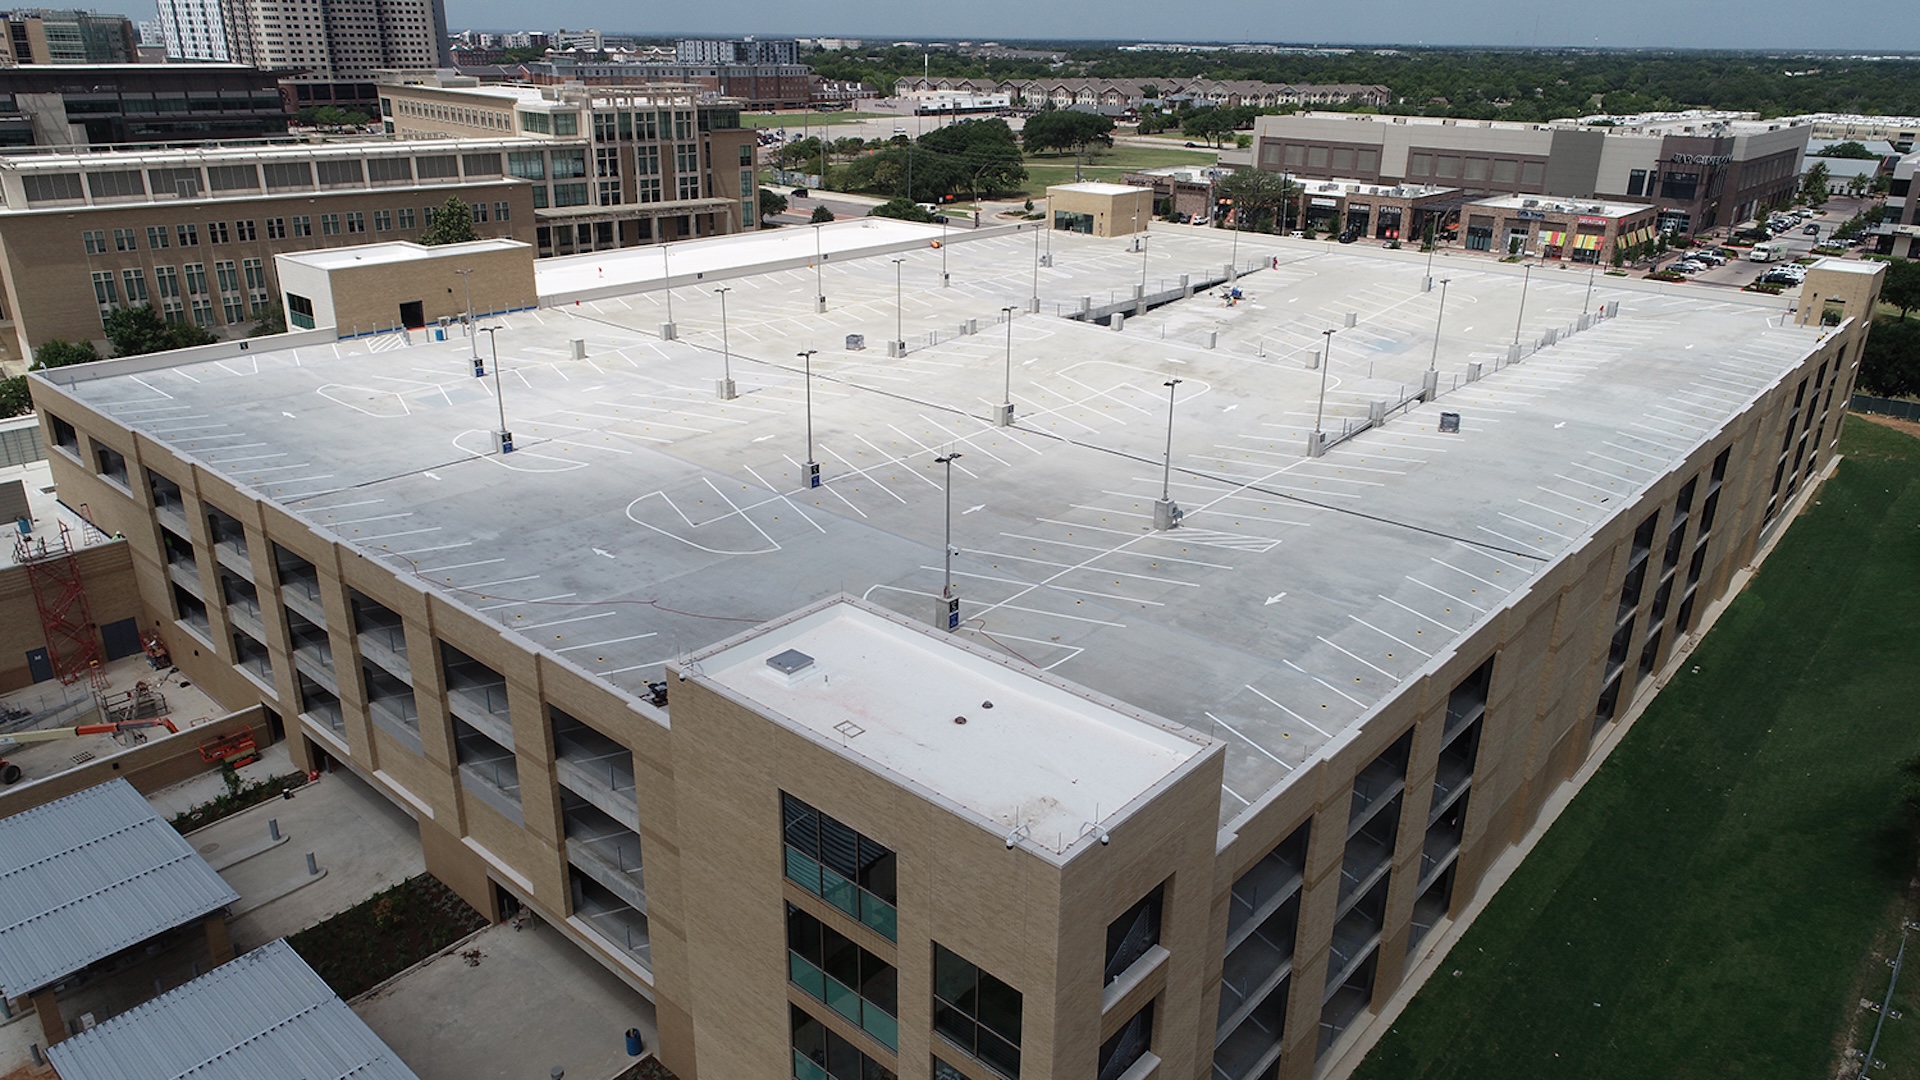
{"x":1324,"y":202}
{"x":1702,"y":159}
{"x":1530,"y":215}
{"x":1587,"y":220}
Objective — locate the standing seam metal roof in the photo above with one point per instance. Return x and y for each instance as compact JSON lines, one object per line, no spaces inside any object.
{"x":85,"y":876}
{"x":263,"y":1016}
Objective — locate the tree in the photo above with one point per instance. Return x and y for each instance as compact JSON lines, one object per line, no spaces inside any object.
{"x":1850,"y":150}
{"x":771,"y":203}
{"x":1257,"y":195}
{"x":1209,"y":124}
{"x":271,"y":321}
{"x":332,"y":116}
{"x":1814,"y":184}
{"x":452,"y":223}
{"x":974,"y":156}
{"x":821,"y":215}
{"x":15,"y":398}
{"x":903,"y":209}
{"x":1061,"y":130}
{"x":1890,"y":365}
{"x":57,"y":353}
{"x":1902,"y":286}
{"x":136,"y":331}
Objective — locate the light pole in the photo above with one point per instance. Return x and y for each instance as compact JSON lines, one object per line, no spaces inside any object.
{"x":1587,"y":304}
{"x":502,"y":439}
{"x":667,"y":330}
{"x":473,"y":337}
{"x":1316,"y":443}
{"x":1525,"y":279}
{"x":1033,"y":303}
{"x":1233,"y":261}
{"x":1431,"y":389}
{"x":813,"y":467}
{"x":725,"y":387}
{"x":947,"y":613}
{"x":1143,"y":256}
{"x":944,"y":280}
{"x":899,"y":347}
{"x":1165,"y":514}
{"x":1003,"y":414}
{"x":819,"y":289}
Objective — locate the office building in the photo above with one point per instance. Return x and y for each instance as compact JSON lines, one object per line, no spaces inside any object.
{"x":1898,"y":233}
{"x":1701,"y":173}
{"x":733,"y":53}
{"x":1166,"y":794}
{"x":58,"y":105}
{"x":753,"y":86}
{"x":610,"y":166}
{"x":194,"y":232}
{"x":335,"y":50}
{"x":68,"y":37}
{"x":194,"y":30}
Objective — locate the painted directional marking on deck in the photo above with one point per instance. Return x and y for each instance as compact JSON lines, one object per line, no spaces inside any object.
{"x":429,"y":475}
{"x":1276,"y":598}
{"x":971,"y":509}
{"x":604,"y":554}
{"x":763,"y":438}
{"x":1230,"y":408}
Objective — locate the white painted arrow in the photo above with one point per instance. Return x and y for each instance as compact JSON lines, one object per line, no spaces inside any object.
{"x":429,"y":475}
{"x":603,"y":554}
{"x":1276,"y":598}
{"x":1230,"y":408}
{"x":289,"y":416}
{"x":971,"y":509}
{"x":763,"y":438}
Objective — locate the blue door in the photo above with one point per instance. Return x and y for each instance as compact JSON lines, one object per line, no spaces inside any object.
{"x":39,"y":665}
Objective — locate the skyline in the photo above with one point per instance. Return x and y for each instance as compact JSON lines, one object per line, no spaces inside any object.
{"x":1873,"y":27}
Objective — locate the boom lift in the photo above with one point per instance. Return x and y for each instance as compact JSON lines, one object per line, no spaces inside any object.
{"x":132,"y":729}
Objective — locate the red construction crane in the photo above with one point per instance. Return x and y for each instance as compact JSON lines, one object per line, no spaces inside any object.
{"x":73,"y":642}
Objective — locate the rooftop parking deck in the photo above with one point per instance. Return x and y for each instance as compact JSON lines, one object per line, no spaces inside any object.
{"x":641,"y":518}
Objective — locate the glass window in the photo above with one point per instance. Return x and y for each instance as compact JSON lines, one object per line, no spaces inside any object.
{"x":189,"y":235}
{"x":344,"y":171}
{"x":303,"y":226}
{"x":836,"y":971}
{"x":124,"y":240}
{"x":52,"y":187}
{"x":1127,"y":1046}
{"x":852,"y":872}
{"x":976,"y":1012}
{"x":566,"y":123}
{"x":329,"y":224}
{"x":1133,"y":933}
{"x":481,"y":164}
{"x":500,"y":210}
{"x":821,"y":1054}
{"x":136,"y":282}
{"x":288,"y":174}
{"x":104,"y":292}
{"x":94,"y":240}
{"x":527,"y":164}
{"x":437,"y":167}
{"x":383,"y":221}
{"x":157,"y":237}
{"x":217,"y":232}
{"x":405,"y":217}
{"x":114,"y":185}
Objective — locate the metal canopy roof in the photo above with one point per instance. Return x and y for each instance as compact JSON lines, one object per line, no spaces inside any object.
{"x":263,"y":1016}
{"x":86,"y":876}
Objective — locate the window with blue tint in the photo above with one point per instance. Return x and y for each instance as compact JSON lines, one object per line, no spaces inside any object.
{"x":976,"y":1012}
{"x":853,"y":982}
{"x":819,"y":1053}
{"x":836,"y":863}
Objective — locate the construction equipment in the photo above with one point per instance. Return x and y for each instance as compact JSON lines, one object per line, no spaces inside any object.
{"x":133,"y":730}
{"x":60,"y":596}
{"x":236,"y":750}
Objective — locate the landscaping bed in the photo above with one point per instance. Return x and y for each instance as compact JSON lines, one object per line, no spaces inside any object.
{"x":389,"y":932}
{"x":239,"y":797}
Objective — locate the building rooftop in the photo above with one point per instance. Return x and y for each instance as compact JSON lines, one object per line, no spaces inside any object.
{"x":999,"y":740}
{"x":394,"y":251}
{"x":641,"y":519}
{"x":1092,"y":187}
{"x":1591,"y":207}
{"x":1368,"y":187}
{"x":1862,"y":267}
{"x":262,"y":1016}
{"x":85,"y":876}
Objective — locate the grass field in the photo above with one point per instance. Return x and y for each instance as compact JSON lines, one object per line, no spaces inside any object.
{"x":795,"y":120}
{"x":1707,"y":907}
{"x":1047,"y":169}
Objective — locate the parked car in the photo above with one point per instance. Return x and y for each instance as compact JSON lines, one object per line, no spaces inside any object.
{"x":1711,"y":258}
{"x":1811,"y":230}
{"x":1685,"y":267}
{"x":798,"y":193}
{"x":1350,"y":236}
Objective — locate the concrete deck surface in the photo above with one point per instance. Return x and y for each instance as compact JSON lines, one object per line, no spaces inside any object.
{"x":534,"y":1001}
{"x":187,"y":705}
{"x":641,"y":518}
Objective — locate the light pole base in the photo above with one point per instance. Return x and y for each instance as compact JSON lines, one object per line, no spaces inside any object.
{"x":503,"y":442}
{"x":479,"y":368}
{"x":813,"y":474}
{"x":819,"y":305}
{"x":1047,"y":259}
{"x":1316,"y":443}
{"x":1166,"y":514}
{"x":668,"y":332}
{"x":1430,"y":386}
{"x":1033,"y":305}
{"x":946,"y":279}
{"x":723,"y":389}
{"x":1003,"y":415}
{"x":946,"y":612}
{"x":896,"y":349}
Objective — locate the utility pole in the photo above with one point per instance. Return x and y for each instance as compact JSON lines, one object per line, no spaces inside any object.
{"x":473,"y":335}
{"x":502,"y":439}
{"x":1317,"y":443}
{"x":1430,"y":388}
{"x":667,"y":330}
{"x":899,"y":347}
{"x":1003,"y":414}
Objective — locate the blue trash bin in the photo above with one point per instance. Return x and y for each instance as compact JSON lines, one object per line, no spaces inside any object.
{"x":635,"y":1045}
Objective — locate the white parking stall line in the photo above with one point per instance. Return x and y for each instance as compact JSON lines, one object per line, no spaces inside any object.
{"x":609,"y":641}
{"x":1359,"y":659}
{"x":1397,"y":641}
{"x":1249,"y":742}
{"x":1324,"y":683}
{"x":1444,"y":593}
{"x":573,"y":619}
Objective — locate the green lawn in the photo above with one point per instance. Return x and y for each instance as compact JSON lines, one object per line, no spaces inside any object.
{"x":1046,"y":169}
{"x":1706,"y":907}
{"x":796,"y":120}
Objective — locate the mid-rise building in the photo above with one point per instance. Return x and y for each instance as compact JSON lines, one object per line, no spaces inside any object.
{"x":735,"y":52}
{"x":334,"y":50}
{"x":194,"y":232}
{"x":194,"y":30}
{"x":610,"y":166}
{"x":68,"y":37}
{"x":1165,"y":796}
{"x":1899,"y":231}
{"x":1702,"y":173}
{"x":60,"y":105}
{"x":754,"y":86}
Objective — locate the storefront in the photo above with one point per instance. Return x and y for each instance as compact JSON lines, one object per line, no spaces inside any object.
{"x":1583,"y":232}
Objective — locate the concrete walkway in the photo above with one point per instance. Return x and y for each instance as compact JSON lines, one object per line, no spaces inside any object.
{"x":532,"y":1002}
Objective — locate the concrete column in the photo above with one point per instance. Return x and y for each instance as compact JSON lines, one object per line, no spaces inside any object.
{"x":53,"y":1028}
{"x":219,"y":942}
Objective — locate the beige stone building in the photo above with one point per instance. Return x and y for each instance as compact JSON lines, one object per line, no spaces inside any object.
{"x":610,"y":166}
{"x":1095,"y":209}
{"x":837,"y":845}
{"x":405,"y":285}
{"x":195,"y":232}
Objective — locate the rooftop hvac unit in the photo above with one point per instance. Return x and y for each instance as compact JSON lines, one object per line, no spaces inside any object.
{"x":1530,"y":203}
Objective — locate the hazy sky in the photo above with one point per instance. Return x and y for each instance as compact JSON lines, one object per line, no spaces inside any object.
{"x":1867,"y":25}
